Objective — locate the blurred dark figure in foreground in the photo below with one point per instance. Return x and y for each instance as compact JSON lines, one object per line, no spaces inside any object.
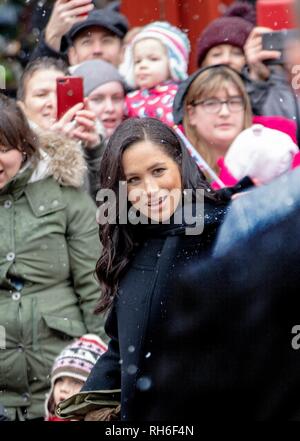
{"x":231,"y":343}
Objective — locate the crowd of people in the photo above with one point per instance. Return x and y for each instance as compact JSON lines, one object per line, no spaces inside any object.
{"x":130,"y":284}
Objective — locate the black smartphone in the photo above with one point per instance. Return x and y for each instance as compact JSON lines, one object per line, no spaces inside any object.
{"x":276,"y":41}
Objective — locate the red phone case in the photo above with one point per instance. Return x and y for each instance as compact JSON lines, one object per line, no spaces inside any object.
{"x":69,"y":92}
{"x":275,"y":14}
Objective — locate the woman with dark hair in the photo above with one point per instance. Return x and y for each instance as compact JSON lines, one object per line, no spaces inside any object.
{"x":145,"y":247}
{"x":48,"y":237}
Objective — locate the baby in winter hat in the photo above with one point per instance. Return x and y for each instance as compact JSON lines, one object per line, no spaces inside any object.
{"x":223,"y":40}
{"x":260,"y":153}
{"x":71,"y":369}
{"x":156,"y":60}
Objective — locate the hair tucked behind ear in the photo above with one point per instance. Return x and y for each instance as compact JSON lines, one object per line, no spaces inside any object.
{"x":118,"y":240}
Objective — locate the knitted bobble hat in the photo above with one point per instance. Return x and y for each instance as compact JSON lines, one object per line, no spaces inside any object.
{"x":260,"y":153}
{"x":76,"y":361}
{"x":232,"y":28}
{"x":175,"y":41}
{"x":95,"y":73}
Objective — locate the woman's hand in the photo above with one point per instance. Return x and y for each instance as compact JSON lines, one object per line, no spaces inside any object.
{"x":255,"y":55}
{"x":80,"y":123}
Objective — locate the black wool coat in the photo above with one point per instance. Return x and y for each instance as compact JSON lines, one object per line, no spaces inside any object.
{"x":140,"y":307}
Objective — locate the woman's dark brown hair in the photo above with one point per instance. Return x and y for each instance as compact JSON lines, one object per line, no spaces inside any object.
{"x":15,"y":132}
{"x":119,"y":240}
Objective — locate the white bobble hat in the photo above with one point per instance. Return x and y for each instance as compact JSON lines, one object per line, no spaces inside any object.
{"x":260,"y":153}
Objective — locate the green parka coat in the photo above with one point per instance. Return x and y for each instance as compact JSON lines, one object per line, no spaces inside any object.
{"x":49,"y":248}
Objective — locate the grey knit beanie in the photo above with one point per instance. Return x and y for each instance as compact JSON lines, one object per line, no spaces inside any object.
{"x":95,"y":73}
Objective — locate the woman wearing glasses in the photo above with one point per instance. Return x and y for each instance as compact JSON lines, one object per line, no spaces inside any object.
{"x":214,"y":108}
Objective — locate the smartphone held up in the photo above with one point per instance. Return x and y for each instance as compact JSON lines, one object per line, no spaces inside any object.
{"x":278,"y":41}
{"x":69,"y":91}
{"x":279,"y":15}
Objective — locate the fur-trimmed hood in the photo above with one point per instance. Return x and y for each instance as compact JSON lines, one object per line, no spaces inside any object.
{"x":61,"y":158}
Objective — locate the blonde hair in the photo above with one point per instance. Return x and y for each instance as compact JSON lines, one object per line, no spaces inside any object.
{"x":204,"y":86}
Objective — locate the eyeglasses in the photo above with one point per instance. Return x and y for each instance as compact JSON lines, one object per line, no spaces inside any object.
{"x":214,"y":105}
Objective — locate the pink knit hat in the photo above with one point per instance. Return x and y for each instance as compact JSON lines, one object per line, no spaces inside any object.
{"x":232,"y":28}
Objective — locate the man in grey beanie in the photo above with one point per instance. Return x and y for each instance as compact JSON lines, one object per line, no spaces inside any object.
{"x":95,"y":73}
{"x":105,"y":90}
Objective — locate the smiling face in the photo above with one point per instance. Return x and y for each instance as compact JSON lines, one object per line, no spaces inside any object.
{"x":153,"y":180}
{"x":151,"y":63}
{"x":40,"y":102}
{"x":107,"y":101}
{"x":10,"y":164}
{"x":218,"y":130}
{"x":225,"y":54}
